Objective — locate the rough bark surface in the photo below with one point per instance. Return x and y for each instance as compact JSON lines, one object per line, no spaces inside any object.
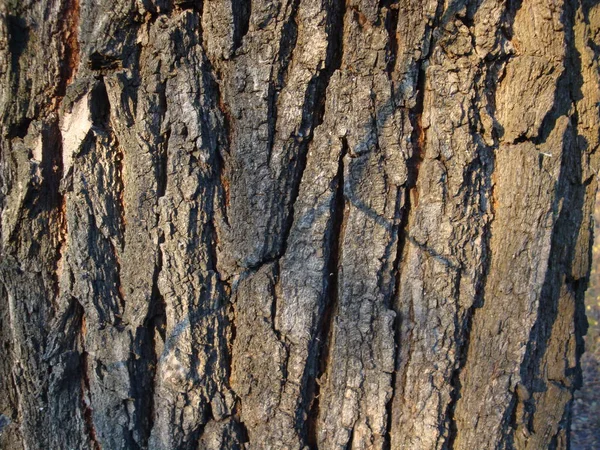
{"x":293,"y":224}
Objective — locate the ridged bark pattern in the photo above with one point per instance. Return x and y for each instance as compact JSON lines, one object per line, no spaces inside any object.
{"x":294,"y":224}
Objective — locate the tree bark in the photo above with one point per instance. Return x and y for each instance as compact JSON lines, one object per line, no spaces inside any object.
{"x":269,"y":224}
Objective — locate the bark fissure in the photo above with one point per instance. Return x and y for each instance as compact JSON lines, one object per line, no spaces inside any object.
{"x":314,"y":110}
{"x":51,"y":198}
{"x":325,"y":329}
{"x":241,"y":10}
{"x":155,"y":323}
{"x":484,"y":165}
{"x":409,"y":201}
{"x":401,"y":197}
{"x":391,"y":26}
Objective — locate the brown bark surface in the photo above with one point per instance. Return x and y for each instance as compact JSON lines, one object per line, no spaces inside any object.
{"x":295,"y":224}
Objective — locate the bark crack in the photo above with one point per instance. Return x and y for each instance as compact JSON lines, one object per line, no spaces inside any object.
{"x":391,"y":26}
{"x":404,"y":208}
{"x":241,"y":11}
{"x":400,"y":245}
{"x":325,"y":329}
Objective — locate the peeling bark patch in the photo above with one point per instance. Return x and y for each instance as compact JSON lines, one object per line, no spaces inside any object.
{"x":74,"y":128}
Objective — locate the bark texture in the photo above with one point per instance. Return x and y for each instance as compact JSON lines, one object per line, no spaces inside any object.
{"x":293,"y":224}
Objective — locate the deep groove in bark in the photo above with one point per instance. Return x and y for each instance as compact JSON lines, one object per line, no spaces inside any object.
{"x":144,"y":369}
{"x":350,"y":440}
{"x":50,"y":198}
{"x":224,"y":141}
{"x":100,"y":105}
{"x":154,"y":324}
{"x":19,"y":129}
{"x":400,"y":246}
{"x":333,"y":59}
{"x":512,"y":7}
{"x":411,"y":200}
{"x":19,"y":36}
{"x":274,"y":292}
{"x":120,"y":181}
{"x":161,"y":167}
{"x":325,"y":329}
{"x":391,"y":26}
{"x":241,"y":10}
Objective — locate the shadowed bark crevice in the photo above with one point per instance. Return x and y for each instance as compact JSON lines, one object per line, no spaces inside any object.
{"x":391,"y":26}
{"x":144,"y":369}
{"x":402,"y":217}
{"x":241,"y":10}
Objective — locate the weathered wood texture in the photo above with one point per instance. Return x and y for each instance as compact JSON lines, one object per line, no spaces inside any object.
{"x":292,"y":224}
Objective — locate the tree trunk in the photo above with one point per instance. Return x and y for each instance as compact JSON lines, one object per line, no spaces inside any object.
{"x":295,"y":224}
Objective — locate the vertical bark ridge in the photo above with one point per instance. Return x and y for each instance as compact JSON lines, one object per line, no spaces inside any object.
{"x":85,"y":387}
{"x":525,"y":141}
{"x":491,"y":71}
{"x":488,"y":145}
{"x":548,"y":386}
{"x":314,"y":104}
{"x":279,"y":68}
{"x":324,"y":330}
